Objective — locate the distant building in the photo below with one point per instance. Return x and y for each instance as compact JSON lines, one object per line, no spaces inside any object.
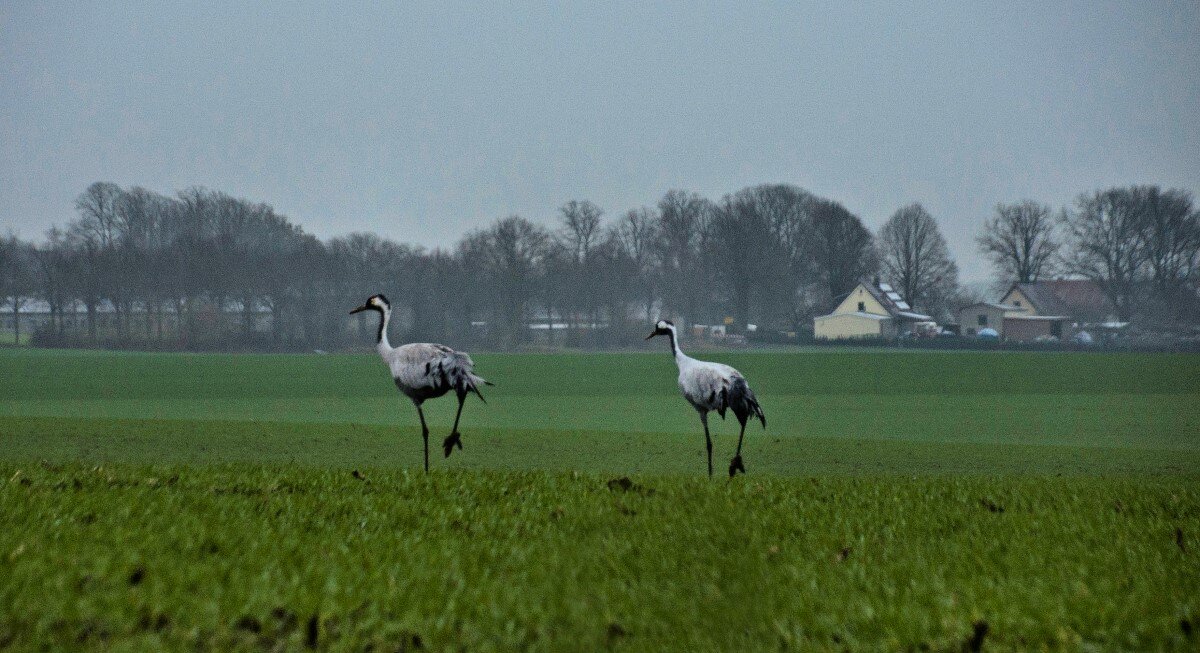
{"x":1050,"y":309}
{"x":1081,"y":300}
{"x":985,"y":315}
{"x":871,"y":310}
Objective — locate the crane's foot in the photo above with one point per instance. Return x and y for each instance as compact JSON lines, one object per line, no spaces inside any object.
{"x":451,"y":441}
{"x":736,"y":466}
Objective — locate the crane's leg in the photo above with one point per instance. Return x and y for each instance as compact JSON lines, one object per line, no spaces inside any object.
{"x":455,"y":437}
{"x":736,"y":465}
{"x":424,"y":435}
{"x":707,"y":441}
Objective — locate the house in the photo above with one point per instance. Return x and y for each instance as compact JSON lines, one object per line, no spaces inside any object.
{"x":871,"y":310}
{"x":1051,"y":308}
{"x":1082,"y":300}
{"x":985,"y":315}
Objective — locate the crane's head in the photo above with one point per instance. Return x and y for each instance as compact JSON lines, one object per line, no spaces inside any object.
{"x":662,"y":328}
{"x":374,"y":303}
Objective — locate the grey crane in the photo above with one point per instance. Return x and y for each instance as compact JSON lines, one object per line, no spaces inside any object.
{"x":713,"y":386}
{"x":424,"y":370}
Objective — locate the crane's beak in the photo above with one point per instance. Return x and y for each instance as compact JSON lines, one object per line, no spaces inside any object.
{"x":652,"y":334}
{"x":360,"y":309}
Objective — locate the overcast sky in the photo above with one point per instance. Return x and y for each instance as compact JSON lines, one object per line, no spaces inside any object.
{"x":422,"y":122}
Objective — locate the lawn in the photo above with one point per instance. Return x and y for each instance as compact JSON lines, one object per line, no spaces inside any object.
{"x":924,"y":501}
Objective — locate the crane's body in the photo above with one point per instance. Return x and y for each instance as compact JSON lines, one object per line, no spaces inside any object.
{"x":709,"y":386}
{"x":424,"y":370}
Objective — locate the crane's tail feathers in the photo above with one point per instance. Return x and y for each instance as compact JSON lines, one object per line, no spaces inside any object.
{"x":744,"y":401}
{"x":759,"y":411}
{"x":473,"y":385}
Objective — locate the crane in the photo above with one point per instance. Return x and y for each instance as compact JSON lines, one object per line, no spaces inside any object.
{"x":713,"y":386}
{"x":424,"y":371}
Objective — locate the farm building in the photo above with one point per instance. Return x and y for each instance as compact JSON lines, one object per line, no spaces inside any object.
{"x":871,"y":310}
{"x":1051,"y":309}
{"x":1079,"y":300}
{"x":985,"y":315}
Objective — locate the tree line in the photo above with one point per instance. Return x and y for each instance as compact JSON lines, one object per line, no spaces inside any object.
{"x":202,"y":269}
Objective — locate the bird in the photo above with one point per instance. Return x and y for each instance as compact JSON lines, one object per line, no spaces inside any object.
{"x":713,"y":386}
{"x":423,"y":370}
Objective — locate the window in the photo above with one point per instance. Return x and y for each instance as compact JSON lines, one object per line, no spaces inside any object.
{"x":1017,"y":303}
{"x":1056,"y":329}
{"x":862,"y":307}
{"x":982,"y":319}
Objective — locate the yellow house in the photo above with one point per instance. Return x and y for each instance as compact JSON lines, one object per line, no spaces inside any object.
{"x":1080,"y":300}
{"x":871,"y":310}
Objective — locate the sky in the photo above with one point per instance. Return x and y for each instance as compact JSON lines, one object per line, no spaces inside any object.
{"x":420,"y":122}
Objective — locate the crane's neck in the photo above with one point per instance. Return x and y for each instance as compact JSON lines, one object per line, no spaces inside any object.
{"x":381,"y":338}
{"x":676,"y":352}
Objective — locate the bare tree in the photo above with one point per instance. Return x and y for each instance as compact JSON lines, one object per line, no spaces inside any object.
{"x":580,"y":234}
{"x":637,"y":234}
{"x":97,"y":207}
{"x":1170,"y":235}
{"x":556,"y":284}
{"x":618,"y":277}
{"x":581,"y":227}
{"x":754,"y":259}
{"x":684,"y":221}
{"x":54,"y":270}
{"x":840,"y":249}
{"x":367,"y":263}
{"x":1105,"y":244}
{"x":1020,"y":241}
{"x":510,"y":254}
{"x":17,"y":282}
{"x":916,"y":261}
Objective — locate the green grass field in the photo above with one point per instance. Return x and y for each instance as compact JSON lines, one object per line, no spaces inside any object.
{"x":899,"y":500}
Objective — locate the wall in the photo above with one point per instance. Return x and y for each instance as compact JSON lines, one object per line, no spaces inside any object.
{"x":840,"y":327}
{"x":968,"y":320}
{"x":1026,"y":330}
{"x":1018,"y":298}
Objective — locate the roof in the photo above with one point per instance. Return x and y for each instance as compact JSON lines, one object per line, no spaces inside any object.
{"x":890,"y":300}
{"x":1073,"y":297}
{"x":871,"y":316}
{"x":999,"y":307}
{"x":1034,"y":318}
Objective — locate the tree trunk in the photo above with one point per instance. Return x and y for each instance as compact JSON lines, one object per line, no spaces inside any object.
{"x":181,"y":327}
{"x":91,"y":320}
{"x":247,"y":315}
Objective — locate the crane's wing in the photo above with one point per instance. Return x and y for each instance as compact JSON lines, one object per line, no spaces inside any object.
{"x":429,"y":365}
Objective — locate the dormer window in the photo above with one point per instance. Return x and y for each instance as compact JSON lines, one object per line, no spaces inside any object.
{"x":862,"y":307}
{"x":1017,"y":303}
